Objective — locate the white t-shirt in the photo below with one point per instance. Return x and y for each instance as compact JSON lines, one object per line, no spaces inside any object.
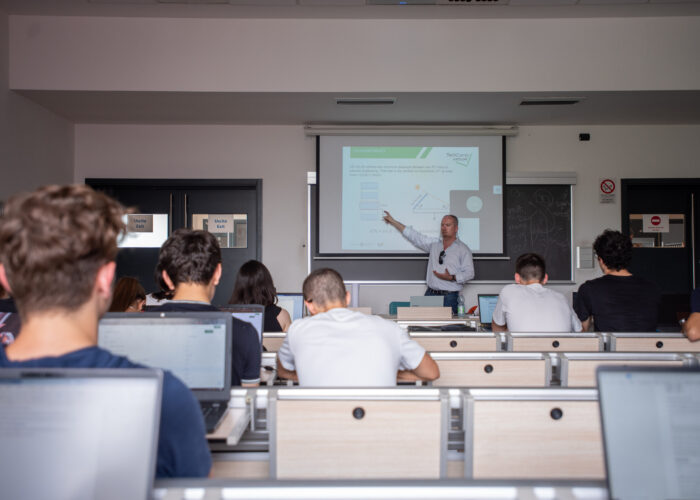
{"x":534,"y":308}
{"x":340,"y":348}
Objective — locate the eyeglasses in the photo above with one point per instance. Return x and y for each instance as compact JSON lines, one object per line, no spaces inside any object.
{"x":441,"y":257}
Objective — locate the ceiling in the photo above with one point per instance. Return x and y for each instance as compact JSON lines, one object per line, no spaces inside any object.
{"x":654,"y":107}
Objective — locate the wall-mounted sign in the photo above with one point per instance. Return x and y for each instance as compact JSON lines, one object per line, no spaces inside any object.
{"x":139,"y":223}
{"x":655,"y":223}
{"x":607,"y":191}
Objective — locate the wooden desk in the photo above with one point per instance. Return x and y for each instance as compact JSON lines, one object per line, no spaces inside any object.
{"x":232,"y":426}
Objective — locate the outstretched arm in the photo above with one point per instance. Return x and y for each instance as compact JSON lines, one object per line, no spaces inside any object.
{"x":691,"y":327}
{"x":426,"y":370}
{"x":390,"y":220}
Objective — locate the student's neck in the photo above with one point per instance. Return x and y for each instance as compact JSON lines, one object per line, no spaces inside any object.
{"x":54,"y":333}
{"x":193,"y":292}
{"x":328,"y":307}
{"x":619,"y":272}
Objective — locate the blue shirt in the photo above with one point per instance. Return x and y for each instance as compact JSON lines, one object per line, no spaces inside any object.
{"x":457,"y":260}
{"x":695,"y":301}
{"x":182,"y":447}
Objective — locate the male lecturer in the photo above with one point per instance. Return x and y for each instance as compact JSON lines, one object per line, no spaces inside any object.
{"x":450,"y":262}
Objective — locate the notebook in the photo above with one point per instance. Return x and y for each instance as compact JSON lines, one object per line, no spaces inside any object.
{"x":487,"y":303}
{"x":250,"y":313}
{"x":427,"y":301}
{"x":194,"y":346}
{"x":78,"y":434}
{"x":293,"y":303}
{"x":651,"y":431}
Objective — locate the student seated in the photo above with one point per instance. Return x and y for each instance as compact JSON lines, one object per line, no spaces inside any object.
{"x":189,"y":264}
{"x":254,"y":286}
{"x":337,"y":347}
{"x":528,"y":306}
{"x":128,"y":296}
{"x":58,"y":248}
{"x":617,"y":301}
{"x":691,"y":327}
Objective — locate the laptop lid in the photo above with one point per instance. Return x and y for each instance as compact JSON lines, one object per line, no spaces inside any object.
{"x":194,"y":346}
{"x":651,"y":431}
{"x":487,"y":303}
{"x":427,"y":301}
{"x":78,"y":433}
{"x":293,"y":303}
{"x":250,"y":313}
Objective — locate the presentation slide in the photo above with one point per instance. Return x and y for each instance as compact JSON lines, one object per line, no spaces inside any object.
{"x":418,"y":180}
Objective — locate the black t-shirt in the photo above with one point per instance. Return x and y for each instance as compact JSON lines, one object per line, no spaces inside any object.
{"x":247,"y":354}
{"x":619,"y":303}
{"x":271,"y":323}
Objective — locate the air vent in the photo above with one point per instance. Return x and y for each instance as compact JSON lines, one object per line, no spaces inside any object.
{"x":551,"y":101}
{"x":365,"y":101}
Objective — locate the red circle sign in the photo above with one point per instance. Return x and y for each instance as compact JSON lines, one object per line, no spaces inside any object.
{"x":656,"y":220}
{"x":607,"y":186}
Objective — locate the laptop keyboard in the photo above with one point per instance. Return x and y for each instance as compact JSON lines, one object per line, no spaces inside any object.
{"x":212,"y":414}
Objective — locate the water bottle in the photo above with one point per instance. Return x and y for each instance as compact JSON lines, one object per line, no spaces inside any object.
{"x":460,"y":306}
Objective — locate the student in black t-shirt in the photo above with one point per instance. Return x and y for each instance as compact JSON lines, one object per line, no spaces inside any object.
{"x":189,"y":265}
{"x":617,"y":301}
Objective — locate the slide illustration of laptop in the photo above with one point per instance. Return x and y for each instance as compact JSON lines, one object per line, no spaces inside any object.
{"x":194,"y":346}
{"x":487,"y":303}
{"x":293,"y":303}
{"x":651,"y":431}
{"x":79,"y":434}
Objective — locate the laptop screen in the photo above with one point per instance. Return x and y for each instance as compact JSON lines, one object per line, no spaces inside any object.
{"x":78,"y":434}
{"x":293,"y":303}
{"x":487,"y":303}
{"x":195,"y":347}
{"x":250,"y":313}
{"x":651,"y":431}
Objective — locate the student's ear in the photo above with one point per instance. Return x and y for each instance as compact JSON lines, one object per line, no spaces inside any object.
{"x":167,"y":280}
{"x":217,"y":274}
{"x":105,"y":279}
{"x":546,"y":278}
{"x":517,"y":278}
{"x":310,"y":307}
{"x":347,"y":299}
{"x":3,"y":280}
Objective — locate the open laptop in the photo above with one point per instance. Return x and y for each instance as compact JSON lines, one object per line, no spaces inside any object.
{"x":78,"y":433}
{"x":651,"y":431}
{"x":194,"y":346}
{"x":427,"y":301}
{"x":293,"y":303}
{"x":487,"y":303}
{"x":250,"y":313}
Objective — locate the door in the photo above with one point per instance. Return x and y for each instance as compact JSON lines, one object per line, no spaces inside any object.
{"x":168,"y":205}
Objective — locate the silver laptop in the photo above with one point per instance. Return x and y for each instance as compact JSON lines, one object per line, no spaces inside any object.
{"x":651,"y":431}
{"x":427,"y":301}
{"x":487,"y":303}
{"x":78,"y":433}
{"x":195,"y":346}
{"x":293,"y":303}
{"x":250,"y":313}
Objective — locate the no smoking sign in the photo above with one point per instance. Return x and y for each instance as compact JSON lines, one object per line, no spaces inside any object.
{"x":607,"y":191}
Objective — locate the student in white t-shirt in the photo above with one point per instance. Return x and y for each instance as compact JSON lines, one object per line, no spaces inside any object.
{"x":527,"y":306}
{"x":336,"y":347}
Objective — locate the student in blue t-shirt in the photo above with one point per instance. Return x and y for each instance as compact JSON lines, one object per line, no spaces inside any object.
{"x":189,"y":266}
{"x":57,"y":257}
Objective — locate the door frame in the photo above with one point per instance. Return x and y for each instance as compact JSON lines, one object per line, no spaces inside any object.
{"x":198,"y":184}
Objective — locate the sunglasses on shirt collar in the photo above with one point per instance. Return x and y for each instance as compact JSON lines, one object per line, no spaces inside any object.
{"x":441,"y":257}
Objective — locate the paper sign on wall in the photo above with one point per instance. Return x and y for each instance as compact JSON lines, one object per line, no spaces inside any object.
{"x":655,"y":223}
{"x":139,"y":223}
{"x":220,"y":223}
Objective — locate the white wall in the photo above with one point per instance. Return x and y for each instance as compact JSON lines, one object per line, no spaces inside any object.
{"x":281,"y":156}
{"x":354,"y":55}
{"x":36,"y":146}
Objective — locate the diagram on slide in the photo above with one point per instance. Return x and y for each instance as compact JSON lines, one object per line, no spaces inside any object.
{"x":413,"y":183}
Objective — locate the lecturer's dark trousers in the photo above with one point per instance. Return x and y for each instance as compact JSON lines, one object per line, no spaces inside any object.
{"x":450,"y":299}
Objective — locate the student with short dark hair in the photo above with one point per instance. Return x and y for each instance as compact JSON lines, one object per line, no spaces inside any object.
{"x":189,"y":264}
{"x":57,"y":256}
{"x":337,"y":347}
{"x":527,"y":306}
{"x":617,"y":301}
